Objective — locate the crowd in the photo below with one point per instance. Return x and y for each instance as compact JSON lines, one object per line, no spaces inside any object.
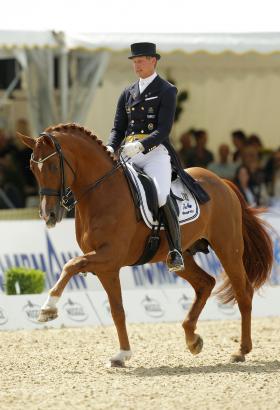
{"x":17,"y":183}
{"x":254,"y":169}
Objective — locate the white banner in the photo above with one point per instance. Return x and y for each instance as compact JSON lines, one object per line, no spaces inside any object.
{"x":31,"y":244}
{"x":141,"y":306}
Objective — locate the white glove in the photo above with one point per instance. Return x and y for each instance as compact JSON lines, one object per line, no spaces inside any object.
{"x":132,"y":148}
{"x":110,"y":149}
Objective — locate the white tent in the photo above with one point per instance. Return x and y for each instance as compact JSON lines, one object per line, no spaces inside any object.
{"x":233,"y":80}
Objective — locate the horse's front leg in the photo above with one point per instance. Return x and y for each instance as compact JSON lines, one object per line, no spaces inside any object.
{"x":90,"y":262}
{"x":111,"y":283}
{"x":49,"y":310}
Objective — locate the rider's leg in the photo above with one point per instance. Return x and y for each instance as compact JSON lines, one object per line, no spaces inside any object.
{"x":157,"y":165}
{"x":175,"y":261}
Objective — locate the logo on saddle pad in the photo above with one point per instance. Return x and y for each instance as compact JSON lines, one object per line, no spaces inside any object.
{"x":75,"y":311}
{"x":31,"y":311}
{"x":152,"y":307}
{"x":3,"y":316}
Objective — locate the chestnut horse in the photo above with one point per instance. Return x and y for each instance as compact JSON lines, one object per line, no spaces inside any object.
{"x":110,"y":236}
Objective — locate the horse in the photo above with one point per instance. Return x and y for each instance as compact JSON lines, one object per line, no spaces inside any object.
{"x":110,"y":236}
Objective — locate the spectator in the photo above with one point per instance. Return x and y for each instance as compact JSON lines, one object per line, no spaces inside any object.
{"x":273,"y":177}
{"x":239,"y":140}
{"x":199,"y":155}
{"x":22,"y":158}
{"x":255,"y":141}
{"x":251,"y":159}
{"x":243,"y":181}
{"x":11,"y":192}
{"x":223,"y":167}
{"x":186,"y":144}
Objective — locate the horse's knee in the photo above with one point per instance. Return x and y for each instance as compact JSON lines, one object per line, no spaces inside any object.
{"x":77,"y":264}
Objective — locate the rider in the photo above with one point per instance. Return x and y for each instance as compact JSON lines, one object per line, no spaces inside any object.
{"x":144,"y":117}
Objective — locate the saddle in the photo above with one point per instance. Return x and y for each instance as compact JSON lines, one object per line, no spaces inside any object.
{"x":144,"y":195}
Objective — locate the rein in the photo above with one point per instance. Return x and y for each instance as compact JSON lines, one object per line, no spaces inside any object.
{"x":65,"y":194}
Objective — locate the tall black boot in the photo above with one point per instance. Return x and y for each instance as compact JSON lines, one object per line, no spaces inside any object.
{"x":175,"y":261}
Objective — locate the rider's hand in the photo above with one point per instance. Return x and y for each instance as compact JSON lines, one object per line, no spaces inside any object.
{"x":132,"y":148}
{"x":110,"y":149}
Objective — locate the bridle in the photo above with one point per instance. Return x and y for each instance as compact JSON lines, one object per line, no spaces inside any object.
{"x":66,"y":198}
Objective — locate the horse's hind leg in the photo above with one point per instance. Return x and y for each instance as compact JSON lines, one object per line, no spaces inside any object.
{"x":203,"y":285}
{"x":241,"y":289}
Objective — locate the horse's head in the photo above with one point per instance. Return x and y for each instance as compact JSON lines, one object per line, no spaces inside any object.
{"x":48,"y":166}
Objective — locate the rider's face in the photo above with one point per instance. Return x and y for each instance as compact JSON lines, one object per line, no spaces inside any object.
{"x":144,"y":66}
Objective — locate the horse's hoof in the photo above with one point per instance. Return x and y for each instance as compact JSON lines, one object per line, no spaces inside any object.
{"x":237,"y":358}
{"x":116,"y":363}
{"x":196,"y":347}
{"x":46,"y":315}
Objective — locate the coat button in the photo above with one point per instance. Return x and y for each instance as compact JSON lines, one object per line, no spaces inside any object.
{"x":132,"y":108}
{"x":132,"y":133}
{"x":142,"y":131}
{"x":142,"y":108}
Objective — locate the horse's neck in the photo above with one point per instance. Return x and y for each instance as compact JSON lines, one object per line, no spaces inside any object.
{"x":91,"y":162}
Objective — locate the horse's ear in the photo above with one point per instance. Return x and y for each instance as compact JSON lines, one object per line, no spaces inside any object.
{"x":30,"y":142}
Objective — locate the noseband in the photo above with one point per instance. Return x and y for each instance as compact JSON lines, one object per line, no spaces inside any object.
{"x":65,"y":194}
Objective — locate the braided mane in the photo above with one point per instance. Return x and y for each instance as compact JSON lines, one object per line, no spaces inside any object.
{"x":85,"y":131}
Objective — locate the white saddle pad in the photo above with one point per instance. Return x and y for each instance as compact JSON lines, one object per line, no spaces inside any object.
{"x":188,"y":206}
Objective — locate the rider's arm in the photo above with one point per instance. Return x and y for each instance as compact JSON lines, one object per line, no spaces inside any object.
{"x":120,"y":124}
{"x":165,"y":120}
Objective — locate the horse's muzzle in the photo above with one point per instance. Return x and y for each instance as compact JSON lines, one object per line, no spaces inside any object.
{"x":51,"y":220}
{"x":53,"y":216}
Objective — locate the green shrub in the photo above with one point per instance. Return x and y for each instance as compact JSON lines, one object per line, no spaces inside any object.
{"x":29,"y":280}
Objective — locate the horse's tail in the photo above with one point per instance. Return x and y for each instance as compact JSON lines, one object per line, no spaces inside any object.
{"x":258,"y":249}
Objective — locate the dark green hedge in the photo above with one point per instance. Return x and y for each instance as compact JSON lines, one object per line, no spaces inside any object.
{"x":30,"y":280}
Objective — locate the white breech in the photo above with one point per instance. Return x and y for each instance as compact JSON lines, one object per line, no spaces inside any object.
{"x":156,"y":164}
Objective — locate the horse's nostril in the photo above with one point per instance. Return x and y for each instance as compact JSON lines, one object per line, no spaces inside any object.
{"x":52,"y":214}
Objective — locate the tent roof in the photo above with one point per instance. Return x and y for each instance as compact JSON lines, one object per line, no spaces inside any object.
{"x":18,"y":39}
{"x":188,"y":43}
{"x":166,"y":42}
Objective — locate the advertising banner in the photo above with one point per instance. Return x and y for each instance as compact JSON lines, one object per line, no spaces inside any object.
{"x":80,"y":308}
{"x":31,"y":244}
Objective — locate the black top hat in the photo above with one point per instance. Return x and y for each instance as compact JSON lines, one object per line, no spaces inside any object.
{"x":143,"y":49}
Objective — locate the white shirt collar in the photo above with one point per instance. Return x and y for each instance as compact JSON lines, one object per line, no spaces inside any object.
{"x":144,"y":82}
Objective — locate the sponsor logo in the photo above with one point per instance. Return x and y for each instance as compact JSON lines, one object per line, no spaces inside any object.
{"x":185,"y":302}
{"x":75,"y":311}
{"x":227,"y":310}
{"x":152,"y":307}
{"x":31,"y":311}
{"x":3,"y":317}
{"x":187,"y":209}
{"x":50,"y":260}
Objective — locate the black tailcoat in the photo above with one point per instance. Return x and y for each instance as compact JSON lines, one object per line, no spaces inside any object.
{"x":151,"y":112}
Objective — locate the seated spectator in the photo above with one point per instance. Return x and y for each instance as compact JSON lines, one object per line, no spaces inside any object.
{"x":273,"y":177}
{"x":186,"y":144}
{"x":255,"y":141}
{"x":243,"y":181}
{"x":224,"y":168}
{"x":250,"y":158}
{"x":11,"y":189}
{"x":22,"y":158}
{"x":239,"y":139}
{"x":199,"y":155}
